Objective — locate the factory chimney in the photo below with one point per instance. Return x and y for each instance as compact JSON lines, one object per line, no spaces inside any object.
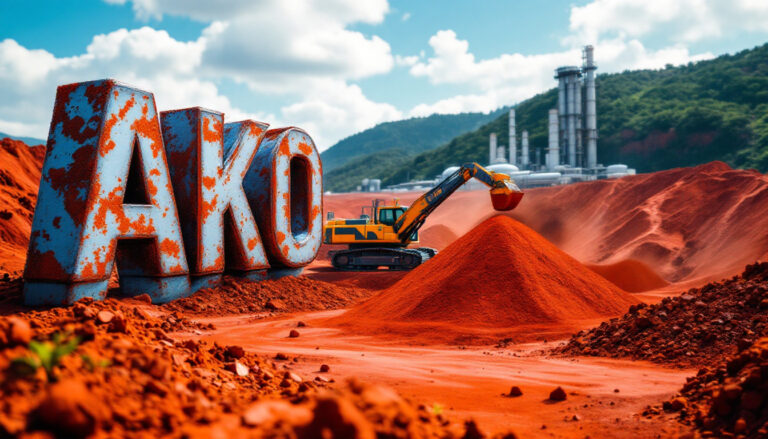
{"x":589,"y":68}
{"x":553,"y":152}
{"x":512,"y":138}
{"x":492,"y":149}
{"x":524,"y":150}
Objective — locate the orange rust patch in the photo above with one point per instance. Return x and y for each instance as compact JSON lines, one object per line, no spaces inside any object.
{"x":209,"y":183}
{"x":280,"y":237}
{"x":305,"y":148}
{"x":170,"y":247}
{"x":208,"y":208}
{"x":150,"y":129}
{"x":285,"y":147}
{"x":151,"y":188}
{"x":252,"y":243}
{"x":211,"y":135}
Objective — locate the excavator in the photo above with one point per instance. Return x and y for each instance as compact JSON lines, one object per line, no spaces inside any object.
{"x":380,"y":236}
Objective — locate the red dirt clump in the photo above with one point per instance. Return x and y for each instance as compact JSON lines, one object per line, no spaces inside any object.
{"x":501,"y":275}
{"x":630,"y":275}
{"x":135,"y":376}
{"x":695,"y":328}
{"x":287,"y":294}
{"x":729,"y":399}
{"x":20,"y":170}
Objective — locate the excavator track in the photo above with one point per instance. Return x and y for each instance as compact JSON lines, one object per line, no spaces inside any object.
{"x":368,"y":259}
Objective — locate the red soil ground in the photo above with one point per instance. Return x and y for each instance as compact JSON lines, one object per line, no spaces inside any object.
{"x":688,"y":225}
{"x":20,"y":168}
{"x":630,"y":275}
{"x":499,"y":277}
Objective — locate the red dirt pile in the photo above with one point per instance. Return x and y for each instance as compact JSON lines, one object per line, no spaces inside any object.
{"x":630,"y":275}
{"x":706,"y":222}
{"x":501,"y":275}
{"x":693,"y":329}
{"x":287,"y":294}
{"x":438,"y":237}
{"x":128,"y":377}
{"x":20,"y":169}
{"x":729,"y":399}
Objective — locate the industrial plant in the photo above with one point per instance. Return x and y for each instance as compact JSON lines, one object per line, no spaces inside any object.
{"x":571,"y":153}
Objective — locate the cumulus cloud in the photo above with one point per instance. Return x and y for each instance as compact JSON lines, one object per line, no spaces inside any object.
{"x":144,"y":57}
{"x":680,"y":21}
{"x":512,"y":77}
{"x":300,"y":49}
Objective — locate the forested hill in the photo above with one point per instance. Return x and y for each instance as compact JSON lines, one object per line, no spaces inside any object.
{"x":648,"y":119}
{"x":411,"y":136}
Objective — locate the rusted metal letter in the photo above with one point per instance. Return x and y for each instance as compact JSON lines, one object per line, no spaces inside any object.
{"x":208,"y":161}
{"x":105,"y":195}
{"x":284,"y":188}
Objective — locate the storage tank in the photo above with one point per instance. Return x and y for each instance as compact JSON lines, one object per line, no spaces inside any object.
{"x":504,"y":168}
{"x":616,"y":169}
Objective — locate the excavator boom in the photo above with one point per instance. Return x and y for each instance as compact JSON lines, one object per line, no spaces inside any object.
{"x":505,"y":195}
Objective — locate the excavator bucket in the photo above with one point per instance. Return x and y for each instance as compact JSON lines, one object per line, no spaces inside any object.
{"x":505,"y":195}
{"x":506,"y":201}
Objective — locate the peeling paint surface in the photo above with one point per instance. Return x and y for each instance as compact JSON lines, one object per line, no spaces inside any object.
{"x":208,"y":161}
{"x":284,"y":188}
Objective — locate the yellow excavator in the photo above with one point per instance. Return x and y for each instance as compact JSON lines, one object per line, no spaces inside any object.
{"x":380,"y":236}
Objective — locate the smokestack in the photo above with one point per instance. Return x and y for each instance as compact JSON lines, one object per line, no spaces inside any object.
{"x":553,"y":152}
{"x":591,"y":106}
{"x":561,"y":114}
{"x":492,"y":148}
{"x":524,"y":150}
{"x":512,"y":138}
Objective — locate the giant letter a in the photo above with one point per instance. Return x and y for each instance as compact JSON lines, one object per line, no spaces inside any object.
{"x":105,"y":195}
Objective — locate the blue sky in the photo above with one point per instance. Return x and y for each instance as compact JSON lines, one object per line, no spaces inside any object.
{"x":336,"y":67}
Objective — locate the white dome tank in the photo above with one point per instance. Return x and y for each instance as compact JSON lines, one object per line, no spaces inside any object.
{"x":616,"y":169}
{"x":448,"y":171}
{"x":503,"y":168}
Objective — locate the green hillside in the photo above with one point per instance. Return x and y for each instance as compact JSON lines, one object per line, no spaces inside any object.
{"x":647,"y":119}
{"x":411,"y":136}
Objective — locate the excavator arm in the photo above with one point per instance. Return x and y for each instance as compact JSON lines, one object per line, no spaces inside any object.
{"x":505,"y":195}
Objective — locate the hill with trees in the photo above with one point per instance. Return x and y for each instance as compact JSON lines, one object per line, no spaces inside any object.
{"x":648,"y":119}
{"x":410,"y":136}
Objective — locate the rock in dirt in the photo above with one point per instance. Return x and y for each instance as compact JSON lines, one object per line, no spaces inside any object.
{"x":728,"y":398}
{"x":293,"y":334}
{"x":19,"y":332}
{"x":69,"y":409}
{"x":558,"y":394}
{"x":515,"y":391}
{"x":325,"y":368}
{"x":105,"y":316}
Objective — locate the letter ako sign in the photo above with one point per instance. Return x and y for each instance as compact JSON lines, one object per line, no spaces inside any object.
{"x":174,"y":199}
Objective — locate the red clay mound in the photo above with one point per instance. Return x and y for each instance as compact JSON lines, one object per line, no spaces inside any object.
{"x":701,"y":223}
{"x":502,"y":275}
{"x":20,"y":168}
{"x":438,"y":237}
{"x":630,"y":275}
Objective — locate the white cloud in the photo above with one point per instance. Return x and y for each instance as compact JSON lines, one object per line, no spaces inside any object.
{"x":679,"y":21}
{"x":510,"y":78}
{"x":406,"y":16}
{"x":300,"y":49}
